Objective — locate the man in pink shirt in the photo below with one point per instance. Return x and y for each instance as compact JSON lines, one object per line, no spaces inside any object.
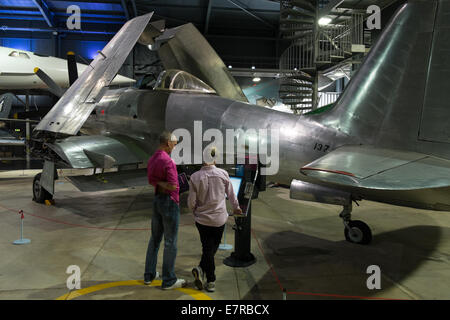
{"x":162,"y":174}
{"x":207,"y":190}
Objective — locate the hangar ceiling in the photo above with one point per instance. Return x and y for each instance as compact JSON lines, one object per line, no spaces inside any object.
{"x":243,"y":32}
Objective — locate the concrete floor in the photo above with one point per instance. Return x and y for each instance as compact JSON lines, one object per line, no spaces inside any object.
{"x":298,"y":245}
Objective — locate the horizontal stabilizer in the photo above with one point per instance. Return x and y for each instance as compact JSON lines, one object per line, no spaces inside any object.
{"x":110,"y":180}
{"x":381,"y":169}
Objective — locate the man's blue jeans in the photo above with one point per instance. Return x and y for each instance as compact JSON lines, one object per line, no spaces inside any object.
{"x":165,"y":219}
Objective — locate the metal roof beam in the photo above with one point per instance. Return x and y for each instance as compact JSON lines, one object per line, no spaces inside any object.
{"x":46,"y":13}
{"x":329,"y":7}
{"x":235,"y":2}
{"x":94,"y":1}
{"x":62,"y":11}
{"x":125,"y":10}
{"x":133,"y":3}
{"x":19,"y":29}
{"x":208,"y":14}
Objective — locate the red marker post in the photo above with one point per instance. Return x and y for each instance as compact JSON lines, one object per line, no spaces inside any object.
{"x":21,"y":240}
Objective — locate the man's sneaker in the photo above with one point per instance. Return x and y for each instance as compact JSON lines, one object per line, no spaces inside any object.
{"x":197,"y":272}
{"x":210,"y":287}
{"x":178,"y":284}
{"x":149,"y":282}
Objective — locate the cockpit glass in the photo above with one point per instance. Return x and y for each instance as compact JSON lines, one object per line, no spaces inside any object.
{"x":17,"y":54}
{"x":177,"y":80}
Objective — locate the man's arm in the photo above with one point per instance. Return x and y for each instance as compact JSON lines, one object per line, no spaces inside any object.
{"x":172,"y":177}
{"x":151,"y":179}
{"x":154,"y":181}
{"x":166,"y":185}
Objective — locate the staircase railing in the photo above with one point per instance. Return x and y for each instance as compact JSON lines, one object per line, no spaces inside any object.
{"x":312,"y":47}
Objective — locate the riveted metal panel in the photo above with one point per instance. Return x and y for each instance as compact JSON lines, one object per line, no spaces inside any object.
{"x":435,"y":122}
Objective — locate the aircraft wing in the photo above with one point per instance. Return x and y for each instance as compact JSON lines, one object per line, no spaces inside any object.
{"x":15,"y":73}
{"x":382,"y":169}
{"x":11,"y":142}
{"x":99,"y":152}
{"x":110,"y":180}
{"x":75,"y":106}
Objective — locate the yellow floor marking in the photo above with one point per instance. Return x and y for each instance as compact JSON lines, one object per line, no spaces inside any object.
{"x":197,"y":295}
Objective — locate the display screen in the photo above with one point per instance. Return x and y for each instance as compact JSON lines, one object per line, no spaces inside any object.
{"x":236,"y":182}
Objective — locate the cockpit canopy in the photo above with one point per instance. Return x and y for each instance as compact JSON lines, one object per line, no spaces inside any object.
{"x":177,"y":80}
{"x":17,"y":54}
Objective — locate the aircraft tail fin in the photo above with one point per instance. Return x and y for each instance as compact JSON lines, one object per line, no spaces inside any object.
{"x":400,"y":94}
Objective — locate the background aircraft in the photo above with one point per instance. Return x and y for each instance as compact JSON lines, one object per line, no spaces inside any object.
{"x":17,"y":70}
{"x":17,"y":79}
{"x":386,"y":139}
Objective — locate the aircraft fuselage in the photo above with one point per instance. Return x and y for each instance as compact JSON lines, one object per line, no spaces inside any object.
{"x":143,"y":114}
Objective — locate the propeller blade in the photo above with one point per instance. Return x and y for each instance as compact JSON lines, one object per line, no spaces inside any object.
{"x":52,"y":86}
{"x":72,"y":67}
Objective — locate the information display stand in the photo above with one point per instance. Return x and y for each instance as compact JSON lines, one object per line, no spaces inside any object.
{"x":242,"y":256}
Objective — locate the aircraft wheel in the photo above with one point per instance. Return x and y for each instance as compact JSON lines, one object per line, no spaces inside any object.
{"x":360,"y":232}
{"x":39,"y":193}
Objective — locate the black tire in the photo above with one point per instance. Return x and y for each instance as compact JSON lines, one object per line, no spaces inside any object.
{"x":362,"y":233}
{"x":39,"y":193}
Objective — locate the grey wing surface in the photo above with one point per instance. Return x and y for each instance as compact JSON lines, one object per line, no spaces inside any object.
{"x":81,"y":152}
{"x":380,"y":169}
{"x":110,"y":180}
{"x":75,"y":106}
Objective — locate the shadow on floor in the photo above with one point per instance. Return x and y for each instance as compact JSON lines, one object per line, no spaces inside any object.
{"x":306,"y":264}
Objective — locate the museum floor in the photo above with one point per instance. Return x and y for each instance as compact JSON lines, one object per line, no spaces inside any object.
{"x":298,"y":245}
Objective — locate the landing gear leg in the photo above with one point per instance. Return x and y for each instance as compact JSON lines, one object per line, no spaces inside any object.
{"x":355,"y":231}
{"x":39,"y":193}
{"x":44,"y":183}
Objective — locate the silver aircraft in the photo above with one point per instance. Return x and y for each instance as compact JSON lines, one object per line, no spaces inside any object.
{"x":386,"y":139}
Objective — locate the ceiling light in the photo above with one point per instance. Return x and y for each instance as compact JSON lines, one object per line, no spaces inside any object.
{"x":253,"y":67}
{"x":230,"y":66}
{"x":324,"y":21}
{"x":256,"y":79}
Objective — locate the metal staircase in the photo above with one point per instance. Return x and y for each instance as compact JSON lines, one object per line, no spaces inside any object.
{"x":297,"y":63}
{"x":313,"y":48}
